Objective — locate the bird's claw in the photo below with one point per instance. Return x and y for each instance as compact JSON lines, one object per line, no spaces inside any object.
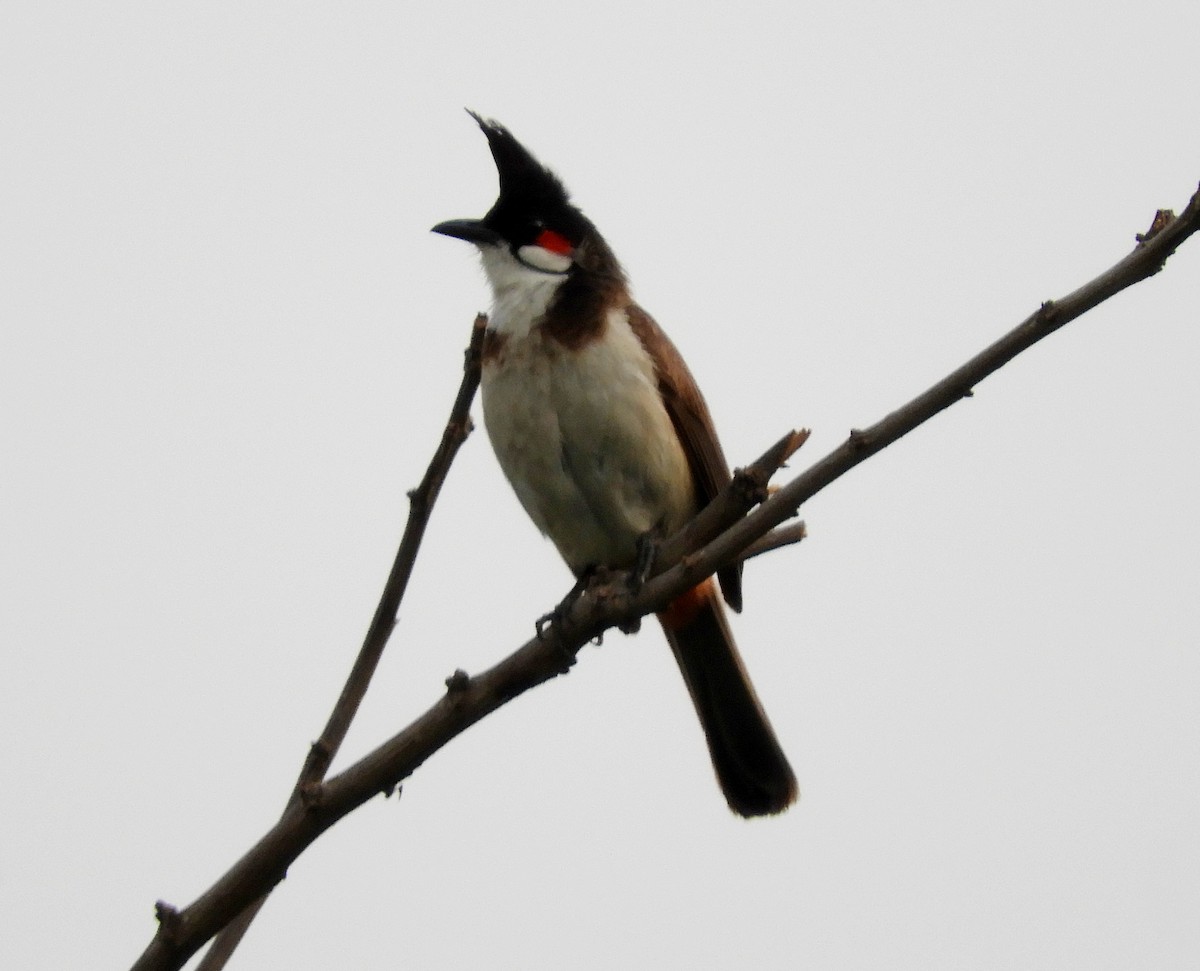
{"x":647,"y":552}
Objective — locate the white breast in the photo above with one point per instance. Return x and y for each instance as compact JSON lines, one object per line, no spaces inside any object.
{"x":583,"y":436}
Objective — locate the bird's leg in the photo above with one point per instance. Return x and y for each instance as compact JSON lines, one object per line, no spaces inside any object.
{"x":647,"y":552}
{"x":595,"y":575}
{"x":582,"y":582}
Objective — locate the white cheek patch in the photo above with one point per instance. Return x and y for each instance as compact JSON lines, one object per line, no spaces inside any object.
{"x":543,"y":259}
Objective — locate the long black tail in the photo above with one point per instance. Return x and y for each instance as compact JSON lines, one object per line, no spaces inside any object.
{"x":751,"y":768}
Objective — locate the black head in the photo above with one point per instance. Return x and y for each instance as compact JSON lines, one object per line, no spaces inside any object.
{"x":533,"y":216}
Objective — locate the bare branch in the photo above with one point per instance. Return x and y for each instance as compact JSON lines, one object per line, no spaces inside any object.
{"x":1147,"y":258}
{"x":721,"y":534}
{"x":748,"y":488}
{"x":421,"y":500}
{"x":776,"y":539}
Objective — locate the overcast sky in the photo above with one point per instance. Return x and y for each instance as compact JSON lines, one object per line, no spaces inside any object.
{"x":227,"y":346}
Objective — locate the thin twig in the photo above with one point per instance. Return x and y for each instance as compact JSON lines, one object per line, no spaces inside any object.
{"x":776,"y":539}
{"x":1147,"y":258}
{"x":469,"y":699}
{"x":421,"y":500}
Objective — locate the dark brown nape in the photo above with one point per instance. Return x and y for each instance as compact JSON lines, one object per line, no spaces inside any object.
{"x":594,"y":286}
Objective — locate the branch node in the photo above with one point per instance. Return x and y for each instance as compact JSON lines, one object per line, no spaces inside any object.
{"x":1048,"y":312}
{"x":969,"y":393}
{"x":859,"y":439}
{"x":458,"y":682}
{"x":1162,"y":219}
{"x":751,"y":485}
{"x":460,"y":430}
{"x":311,"y":794}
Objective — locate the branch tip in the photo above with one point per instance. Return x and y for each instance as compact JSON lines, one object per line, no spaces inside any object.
{"x":778,"y":538}
{"x":167,"y":917}
{"x":796,"y":440}
{"x":474,"y":352}
{"x":750,"y":480}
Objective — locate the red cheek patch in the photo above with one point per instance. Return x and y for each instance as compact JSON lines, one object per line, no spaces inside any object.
{"x":554,"y":242}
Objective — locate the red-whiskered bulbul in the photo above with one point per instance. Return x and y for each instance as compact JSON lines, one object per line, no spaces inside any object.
{"x":600,"y":428}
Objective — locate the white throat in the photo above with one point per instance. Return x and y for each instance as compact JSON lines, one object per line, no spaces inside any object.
{"x":520,"y":294}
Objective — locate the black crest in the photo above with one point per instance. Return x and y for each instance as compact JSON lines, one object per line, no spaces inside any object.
{"x":525,"y":184}
{"x":532,"y":199}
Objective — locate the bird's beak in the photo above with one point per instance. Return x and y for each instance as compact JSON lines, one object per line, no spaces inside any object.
{"x":472,"y":230}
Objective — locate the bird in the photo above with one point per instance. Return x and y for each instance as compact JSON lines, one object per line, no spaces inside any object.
{"x":603,"y":434}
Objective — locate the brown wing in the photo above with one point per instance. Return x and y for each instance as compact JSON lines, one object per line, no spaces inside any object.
{"x":694,"y":425}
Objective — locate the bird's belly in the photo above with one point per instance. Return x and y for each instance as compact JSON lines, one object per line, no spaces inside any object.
{"x":587,"y":444}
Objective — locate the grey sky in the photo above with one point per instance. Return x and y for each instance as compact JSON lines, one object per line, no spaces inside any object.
{"x":228,"y":342}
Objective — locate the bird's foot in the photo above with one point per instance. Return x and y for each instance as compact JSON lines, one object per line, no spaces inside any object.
{"x":586,"y":578}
